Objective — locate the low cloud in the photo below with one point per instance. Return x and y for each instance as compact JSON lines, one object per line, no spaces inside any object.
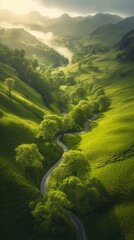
{"x":90,"y":6}
{"x":50,"y":40}
{"x":47,"y":38}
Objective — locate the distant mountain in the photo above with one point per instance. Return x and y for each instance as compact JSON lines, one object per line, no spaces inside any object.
{"x":63,"y":26}
{"x":29,"y":18}
{"x":112,"y":33}
{"x":108,"y":34}
{"x":79,"y":27}
{"x":126,"y":45}
{"x":21,"y":39}
{"x":127,"y":24}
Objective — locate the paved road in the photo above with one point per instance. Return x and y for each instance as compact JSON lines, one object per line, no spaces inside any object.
{"x":81,"y":235}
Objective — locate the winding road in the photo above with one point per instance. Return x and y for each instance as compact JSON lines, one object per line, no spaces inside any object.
{"x":81,"y":235}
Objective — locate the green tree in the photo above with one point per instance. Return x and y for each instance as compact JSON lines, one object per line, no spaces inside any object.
{"x":48,"y":129}
{"x":74,"y":190}
{"x":103,"y":103}
{"x":50,"y":215}
{"x":55,"y":118}
{"x":75,"y":164}
{"x":28,"y":156}
{"x":78,"y":94}
{"x":10,"y":84}
{"x":35,"y":63}
{"x":68,"y":122}
{"x":82,"y":112}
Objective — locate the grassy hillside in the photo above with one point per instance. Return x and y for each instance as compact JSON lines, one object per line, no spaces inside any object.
{"x":20,"y":115}
{"x":111,"y":33}
{"x":109,"y":145}
{"x":21,"y":39}
{"x":102,"y":39}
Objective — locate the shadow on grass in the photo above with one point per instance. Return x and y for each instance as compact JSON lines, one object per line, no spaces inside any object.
{"x":101,"y":222}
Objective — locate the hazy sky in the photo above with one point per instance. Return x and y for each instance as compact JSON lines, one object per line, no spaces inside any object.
{"x":55,"y":8}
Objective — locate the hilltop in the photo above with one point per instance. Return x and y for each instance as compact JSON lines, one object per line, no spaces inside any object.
{"x":70,"y":27}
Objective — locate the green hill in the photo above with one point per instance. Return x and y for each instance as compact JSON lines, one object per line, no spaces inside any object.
{"x":112,"y":33}
{"x":20,"y":115}
{"x":18,"y":119}
{"x":34,"y":48}
{"x":103,"y":38}
{"x":107,"y":187}
{"x":109,"y":143}
{"x":126,"y":45}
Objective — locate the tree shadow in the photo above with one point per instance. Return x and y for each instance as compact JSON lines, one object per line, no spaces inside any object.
{"x":101,"y":221}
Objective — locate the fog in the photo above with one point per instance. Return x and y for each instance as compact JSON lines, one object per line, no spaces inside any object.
{"x":50,"y":40}
{"x":47,"y":38}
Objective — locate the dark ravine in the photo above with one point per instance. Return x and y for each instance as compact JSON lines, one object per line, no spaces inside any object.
{"x":81,"y":235}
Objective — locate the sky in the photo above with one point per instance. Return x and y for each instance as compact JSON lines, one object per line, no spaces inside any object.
{"x":54,"y":8}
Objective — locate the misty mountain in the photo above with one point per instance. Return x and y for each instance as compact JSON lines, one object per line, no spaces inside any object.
{"x":21,"y":39}
{"x":126,"y":45}
{"x":63,"y":26}
{"x":66,"y":26}
{"x":127,"y":24}
{"x":112,"y":33}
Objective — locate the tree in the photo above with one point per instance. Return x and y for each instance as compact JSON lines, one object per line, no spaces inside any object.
{"x":35,"y":63}
{"x":74,"y":190}
{"x":70,"y":80}
{"x":10,"y":83}
{"x":48,"y":129}
{"x":50,"y":215}
{"x":28,"y":156}
{"x":103,"y":103}
{"x":55,"y":118}
{"x":82,"y":112}
{"x":78,"y":94}
{"x":68,"y":122}
{"x":75,"y":164}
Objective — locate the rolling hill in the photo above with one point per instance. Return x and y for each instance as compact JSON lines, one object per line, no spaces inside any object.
{"x":112,"y":33}
{"x":108,"y":145}
{"x":20,"y":114}
{"x":102,"y":39}
{"x":34,"y":48}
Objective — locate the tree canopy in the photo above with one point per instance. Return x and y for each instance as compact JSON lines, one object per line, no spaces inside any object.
{"x":10,"y":84}
{"x":75,"y":164}
{"x":48,"y":129}
{"x":28,"y":156}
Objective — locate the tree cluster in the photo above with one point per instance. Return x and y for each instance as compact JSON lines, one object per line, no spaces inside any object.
{"x":26,"y":70}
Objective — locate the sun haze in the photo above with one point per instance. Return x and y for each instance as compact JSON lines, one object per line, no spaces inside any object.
{"x":25,"y":6}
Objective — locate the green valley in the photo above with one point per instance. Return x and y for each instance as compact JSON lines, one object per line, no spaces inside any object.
{"x":66,"y":129}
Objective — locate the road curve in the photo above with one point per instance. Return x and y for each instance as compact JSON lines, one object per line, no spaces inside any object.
{"x":81,"y":235}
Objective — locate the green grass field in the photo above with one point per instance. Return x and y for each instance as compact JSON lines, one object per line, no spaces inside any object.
{"x":20,"y":115}
{"x":109,"y":146}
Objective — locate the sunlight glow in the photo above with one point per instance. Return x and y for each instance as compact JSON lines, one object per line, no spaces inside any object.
{"x":25,"y":6}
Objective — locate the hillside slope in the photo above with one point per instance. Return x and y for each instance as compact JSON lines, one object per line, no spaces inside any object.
{"x":20,"y":115}
{"x":109,"y":144}
{"x":104,"y":37}
{"x":34,"y":48}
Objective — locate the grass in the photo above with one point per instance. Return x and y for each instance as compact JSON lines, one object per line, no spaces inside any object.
{"x":15,"y":221}
{"x":109,"y":147}
{"x":20,"y":115}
